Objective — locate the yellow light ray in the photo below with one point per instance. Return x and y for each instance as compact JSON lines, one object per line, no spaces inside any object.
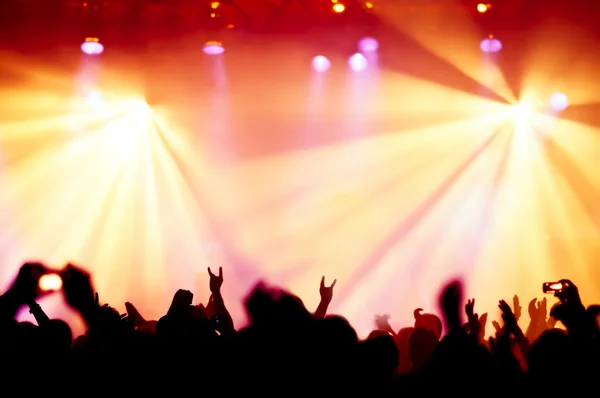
{"x":300,"y":214}
{"x":425,"y":26}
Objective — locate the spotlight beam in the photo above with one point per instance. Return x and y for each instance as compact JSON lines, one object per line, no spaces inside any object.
{"x":405,"y":226}
{"x":582,"y":188}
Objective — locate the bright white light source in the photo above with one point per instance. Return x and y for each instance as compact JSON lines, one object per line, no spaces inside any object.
{"x":320,"y":63}
{"x":213,"y":48}
{"x":94,"y":98}
{"x":523,"y":110}
{"x":490,"y":45}
{"x":368,"y":45}
{"x":358,"y":62}
{"x":50,"y":282}
{"x":559,"y":102}
{"x":92,"y":46}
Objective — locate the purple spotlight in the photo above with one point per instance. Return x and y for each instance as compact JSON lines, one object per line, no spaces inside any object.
{"x":92,"y":46}
{"x":490,"y":45}
{"x":213,"y":48}
{"x":358,"y":62}
{"x":320,"y":63}
{"x":559,"y":102}
{"x":368,"y":45}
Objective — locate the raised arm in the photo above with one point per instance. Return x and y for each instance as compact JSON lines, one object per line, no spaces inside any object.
{"x":225,"y":322}
{"x":326,"y":293}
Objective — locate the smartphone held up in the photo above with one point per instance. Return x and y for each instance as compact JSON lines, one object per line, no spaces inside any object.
{"x":553,"y":287}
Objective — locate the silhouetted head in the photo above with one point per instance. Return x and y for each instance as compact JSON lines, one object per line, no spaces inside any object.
{"x":550,"y":354}
{"x":338,"y":332}
{"x":378,"y":333}
{"x":379,"y":356}
{"x":430,"y":322}
{"x":269,"y":307}
{"x":337,"y":341}
{"x":422,"y":344}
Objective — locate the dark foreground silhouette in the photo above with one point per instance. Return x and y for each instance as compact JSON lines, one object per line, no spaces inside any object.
{"x":286,"y":350}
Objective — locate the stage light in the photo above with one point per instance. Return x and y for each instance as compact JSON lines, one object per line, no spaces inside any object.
{"x":522,"y":111}
{"x":214,"y":5}
{"x":358,"y":62}
{"x":368,"y":4}
{"x":482,"y":7}
{"x":92,"y":46}
{"x":339,"y":8}
{"x":559,"y":102}
{"x":368,"y":44}
{"x":94,"y":99}
{"x":320,"y":63}
{"x":213,"y":48}
{"x":490,"y":45}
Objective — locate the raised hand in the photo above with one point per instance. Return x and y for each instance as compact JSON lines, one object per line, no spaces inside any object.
{"x":25,"y":288}
{"x":569,"y":293}
{"x":538,"y":311}
{"x":78,"y":289}
{"x":382,"y":323}
{"x":473,"y":319}
{"x":450,"y":301}
{"x":507,"y":315}
{"x":570,"y":311}
{"x":532,"y":309}
{"x":482,"y":325}
{"x":470,"y":308}
{"x":216,"y":281}
{"x":326,"y":292}
{"x":543,"y":309}
{"x":497,"y":327}
{"x":516,"y":308}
